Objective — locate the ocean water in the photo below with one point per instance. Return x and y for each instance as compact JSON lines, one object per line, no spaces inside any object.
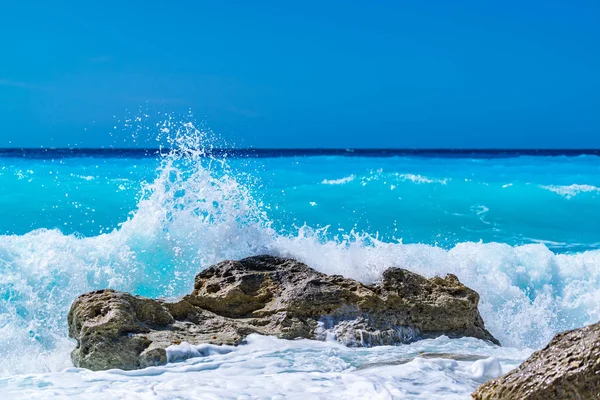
{"x":522,"y":230}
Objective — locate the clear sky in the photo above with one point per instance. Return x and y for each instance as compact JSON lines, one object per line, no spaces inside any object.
{"x":335,"y":73}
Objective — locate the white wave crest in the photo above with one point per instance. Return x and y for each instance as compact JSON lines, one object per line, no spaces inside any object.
{"x":421,"y":179}
{"x":571,"y":190}
{"x":340,"y":181}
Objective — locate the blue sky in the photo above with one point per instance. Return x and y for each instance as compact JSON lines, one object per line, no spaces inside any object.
{"x":305,"y":74}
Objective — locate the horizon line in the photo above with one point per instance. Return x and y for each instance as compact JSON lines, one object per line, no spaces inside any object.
{"x":253,"y":152}
{"x":583,"y":149}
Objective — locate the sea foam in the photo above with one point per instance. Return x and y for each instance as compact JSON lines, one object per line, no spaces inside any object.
{"x":570,"y":191}
{"x":415,"y":178}
{"x":272,"y":368}
{"x":339,"y":181}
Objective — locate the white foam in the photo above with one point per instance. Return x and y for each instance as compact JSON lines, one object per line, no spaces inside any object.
{"x":483,"y":370}
{"x":272,"y":368}
{"x":339,"y":181}
{"x":571,"y":190}
{"x":421,"y":179}
{"x":84,"y":177}
{"x":184,"y":350}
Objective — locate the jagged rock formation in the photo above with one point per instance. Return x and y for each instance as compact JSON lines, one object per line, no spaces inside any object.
{"x":270,"y":296}
{"x":567,"y":368}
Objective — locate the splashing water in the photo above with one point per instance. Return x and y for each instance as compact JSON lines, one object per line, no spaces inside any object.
{"x":198,"y":210}
{"x":192,"y":215}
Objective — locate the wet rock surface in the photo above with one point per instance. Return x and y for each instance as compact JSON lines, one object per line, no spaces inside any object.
{"x":567,"y":368}
{"x":270,"y":296}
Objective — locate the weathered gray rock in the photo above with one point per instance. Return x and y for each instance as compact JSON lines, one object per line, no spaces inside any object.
{"x":567,"y":368}
{"x":270,"y":296}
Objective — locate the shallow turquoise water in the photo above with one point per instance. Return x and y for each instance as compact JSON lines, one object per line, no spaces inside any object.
{"x":437,"y":201}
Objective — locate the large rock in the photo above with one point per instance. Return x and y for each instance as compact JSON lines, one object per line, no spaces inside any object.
{"x":567,"y":368}
{"x":270,"y":296}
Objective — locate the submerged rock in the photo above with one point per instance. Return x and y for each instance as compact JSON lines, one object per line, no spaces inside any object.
{"x":567,"y":368}
{"x":270,"y":296}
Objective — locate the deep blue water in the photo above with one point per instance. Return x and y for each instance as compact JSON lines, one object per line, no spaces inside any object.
{"x":111,"y":152}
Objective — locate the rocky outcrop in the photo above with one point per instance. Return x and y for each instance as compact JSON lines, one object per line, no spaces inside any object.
{"x":567,"y":368}
{"x":270,"y":296}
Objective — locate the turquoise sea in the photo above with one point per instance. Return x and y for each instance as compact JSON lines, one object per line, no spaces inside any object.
{"x":521,"y":228}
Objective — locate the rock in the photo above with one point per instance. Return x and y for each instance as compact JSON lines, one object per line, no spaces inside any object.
{"x":567,"y":368}
{"x":270,"y":296}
